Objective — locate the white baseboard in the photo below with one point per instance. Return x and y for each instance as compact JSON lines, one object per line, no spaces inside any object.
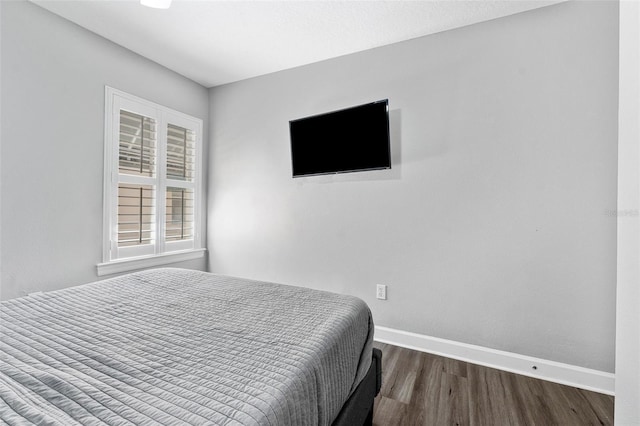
{"x":566,"y":374}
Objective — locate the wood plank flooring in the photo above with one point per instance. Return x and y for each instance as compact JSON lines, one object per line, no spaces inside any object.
{"x":424,"y":389}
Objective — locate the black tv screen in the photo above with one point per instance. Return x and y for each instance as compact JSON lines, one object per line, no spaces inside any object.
{"x":348,"y":140}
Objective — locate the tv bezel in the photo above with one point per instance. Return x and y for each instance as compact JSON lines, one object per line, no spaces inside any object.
{"x":385,"y":101}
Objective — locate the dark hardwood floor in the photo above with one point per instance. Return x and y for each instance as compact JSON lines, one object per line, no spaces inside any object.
{"x":424,"y":389}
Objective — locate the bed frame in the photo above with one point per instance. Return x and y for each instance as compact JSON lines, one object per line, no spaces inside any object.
{"x":358,"y":410}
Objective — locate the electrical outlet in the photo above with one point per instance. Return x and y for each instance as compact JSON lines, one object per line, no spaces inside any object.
{"x":381,"y":292}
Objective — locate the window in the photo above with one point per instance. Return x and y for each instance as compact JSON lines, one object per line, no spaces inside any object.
{"x":152,"y":184}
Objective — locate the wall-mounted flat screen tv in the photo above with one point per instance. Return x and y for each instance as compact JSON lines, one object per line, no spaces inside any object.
{"x":349,"y":140}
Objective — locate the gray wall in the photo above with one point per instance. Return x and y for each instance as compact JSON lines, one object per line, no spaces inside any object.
{"x":493,"y":226}
{"x":53,"y":78}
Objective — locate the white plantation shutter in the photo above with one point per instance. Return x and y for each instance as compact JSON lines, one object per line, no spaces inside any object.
{"x":179,"y":165}
{"x":152,"y":183}
{"x":136,"y":215}
{"x":180,"y":153}
{"x":179,"y":214}
{"x":137,"y":155}
{"x":137,"y":144}
{"x":180,"y":168}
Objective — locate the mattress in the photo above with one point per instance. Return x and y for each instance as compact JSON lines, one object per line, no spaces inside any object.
{"x":173,"y":346}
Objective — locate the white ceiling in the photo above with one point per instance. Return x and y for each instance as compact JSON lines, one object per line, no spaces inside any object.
{"x":217,"y":42}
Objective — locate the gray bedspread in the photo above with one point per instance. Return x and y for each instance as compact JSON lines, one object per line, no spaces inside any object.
{"x":171,"y":346}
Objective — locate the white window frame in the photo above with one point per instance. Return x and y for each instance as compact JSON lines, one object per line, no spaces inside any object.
{"x":115,"y":259}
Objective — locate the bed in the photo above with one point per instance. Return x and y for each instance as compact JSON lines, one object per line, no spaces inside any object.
{"x":175,"y":346}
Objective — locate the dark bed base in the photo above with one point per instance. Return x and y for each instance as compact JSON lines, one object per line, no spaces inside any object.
{"x":358,"y":410}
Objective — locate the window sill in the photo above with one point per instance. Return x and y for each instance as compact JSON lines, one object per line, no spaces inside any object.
{"x":125,"y":265}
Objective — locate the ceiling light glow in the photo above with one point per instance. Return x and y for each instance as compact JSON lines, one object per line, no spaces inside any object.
{"x":156,"y":4}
